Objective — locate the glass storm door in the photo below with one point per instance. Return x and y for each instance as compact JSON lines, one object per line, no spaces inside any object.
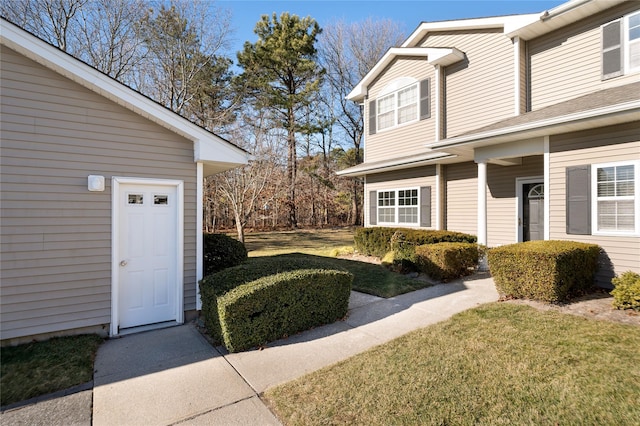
{"x":148,"y":253}
{"x":533,"y":212}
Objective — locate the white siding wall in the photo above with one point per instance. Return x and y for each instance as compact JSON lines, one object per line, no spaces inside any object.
{"x":409,"y":138}
{"x":566,"y":63}
{"x":461,"y":183}
{"x":56,"y":235}
{"x":410,"y":178}
{"x":617,"y":143}
{"x":479,"y":90}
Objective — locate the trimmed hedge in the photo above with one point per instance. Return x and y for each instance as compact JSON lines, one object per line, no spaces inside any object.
{"x":377,"y":241}
{"x":626,"y":292}
{"x":221,"y":251}
{"x":279,"y":305}
{"x":549,"y":271}
{"x":214,"y":286}
{"x":447,"y":261}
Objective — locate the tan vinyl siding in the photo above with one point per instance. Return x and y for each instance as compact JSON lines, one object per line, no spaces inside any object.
{"x":501,"y":198}
{"x":56,"y":235}
{"x":461,"y":186}
{"x":479,"y":89}
{"x":610,"y":144}
{"x":402,"y":179}
{"x":408,"y":138}
{"x":566,"y":63}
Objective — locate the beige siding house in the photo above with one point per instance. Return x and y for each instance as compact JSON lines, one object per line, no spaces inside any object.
{"x":533,"y":129}
{"x":100,"y":198}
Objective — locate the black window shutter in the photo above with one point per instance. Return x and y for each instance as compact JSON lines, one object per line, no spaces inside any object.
{"x":373,"y":207}
{"x":578,"y":203}
{"x":425,"y":206}
{"x":425,"y":99}
{"x":372,"y":117}
{"x":611,"y":50}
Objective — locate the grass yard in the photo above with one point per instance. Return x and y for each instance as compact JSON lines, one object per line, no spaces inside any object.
{"x":39,"y":368}
{"x":499,"y":364}
{"x":368,"y":278}
{"x":318,"y":242}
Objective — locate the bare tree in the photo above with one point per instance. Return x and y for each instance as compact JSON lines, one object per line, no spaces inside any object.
{"x":244,"y":187}
{"x":108,"y":38}
{"x":51,"y":20}
{"x":183,"y":41}
{"x":348,"y":51}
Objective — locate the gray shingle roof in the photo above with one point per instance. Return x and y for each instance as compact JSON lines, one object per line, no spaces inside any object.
{"x":595,"y":100}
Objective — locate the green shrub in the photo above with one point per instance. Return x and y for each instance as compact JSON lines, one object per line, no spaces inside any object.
{"x":447,"y":261}
{"x":221,"y":251}
{"x":373,"y":241}
{"x":626,"y":292}
{"x":218,"y":284}
{"x":278,"y":305}
{"x":549,"y":271}
{"x":377,"y":241}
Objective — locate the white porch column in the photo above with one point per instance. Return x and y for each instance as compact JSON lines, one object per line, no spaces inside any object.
{"x":199,"y":237}
{"x":482,"y":203}
{"x":547,"y":189}
{"x":438,"y":196}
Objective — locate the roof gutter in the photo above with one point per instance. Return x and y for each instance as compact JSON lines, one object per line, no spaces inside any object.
{"x":388,"y":166}
{"x":563,"y":8}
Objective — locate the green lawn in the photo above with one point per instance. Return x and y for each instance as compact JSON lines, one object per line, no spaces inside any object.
{"x":368,"y":278}
{"x":39,"y":368}
{"x":499,"y":364}
{"x":318,"y":242}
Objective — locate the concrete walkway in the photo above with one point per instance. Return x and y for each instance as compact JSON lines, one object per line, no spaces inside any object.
{"x":173,"y":376}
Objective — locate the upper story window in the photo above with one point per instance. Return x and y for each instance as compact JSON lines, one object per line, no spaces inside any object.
{"x":400,"y":103}
{"x":398,"y":107}
{"x":621,"y":46}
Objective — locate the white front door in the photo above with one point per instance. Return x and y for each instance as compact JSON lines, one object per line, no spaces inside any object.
{"x":147,"y":254}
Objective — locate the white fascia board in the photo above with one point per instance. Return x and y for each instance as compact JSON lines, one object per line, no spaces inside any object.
{"x":434,"y":55}
{"x":467,"y":24}
{"x":397,"y":164}
{"x":223,"y":156}
{"x":624,"y":108}
{"x":66,"y":65}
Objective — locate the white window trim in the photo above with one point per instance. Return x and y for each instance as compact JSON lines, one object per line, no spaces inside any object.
{"x":396,"y":206}
{"x":624,"y":25}
{"x":396,"y":107}
{"x":626,"y":45}
{"x":594,"y":199}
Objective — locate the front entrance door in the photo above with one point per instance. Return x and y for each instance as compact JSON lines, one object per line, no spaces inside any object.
{"x":533,"y":211}
{"x":147,"y":254}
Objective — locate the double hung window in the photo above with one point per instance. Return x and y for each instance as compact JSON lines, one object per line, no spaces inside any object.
{"x":398,"y":107}
{"x":615,"y":200}
{"x":398,"y":207}
{"x":621,"y":46}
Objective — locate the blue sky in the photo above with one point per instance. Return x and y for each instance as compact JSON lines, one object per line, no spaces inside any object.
{"x":408,"y":14}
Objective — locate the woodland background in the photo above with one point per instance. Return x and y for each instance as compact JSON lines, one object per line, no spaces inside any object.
{"x":282,"y":98}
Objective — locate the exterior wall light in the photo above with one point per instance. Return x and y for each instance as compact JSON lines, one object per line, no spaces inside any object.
{"x":95,"y":183}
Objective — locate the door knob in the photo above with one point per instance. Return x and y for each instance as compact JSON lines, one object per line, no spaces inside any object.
{"x":123,"y":263}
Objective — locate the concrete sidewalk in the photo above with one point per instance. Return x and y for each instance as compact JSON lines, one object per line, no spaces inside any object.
{"x":174,"y":376}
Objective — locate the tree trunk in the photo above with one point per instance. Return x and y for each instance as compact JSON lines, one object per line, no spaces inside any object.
{"x":240,"y":229}
{"x":291,"y":171}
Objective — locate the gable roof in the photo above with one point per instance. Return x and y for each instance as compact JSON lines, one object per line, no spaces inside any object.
{"x":216,"y":153}
{"x":434,"y":55}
